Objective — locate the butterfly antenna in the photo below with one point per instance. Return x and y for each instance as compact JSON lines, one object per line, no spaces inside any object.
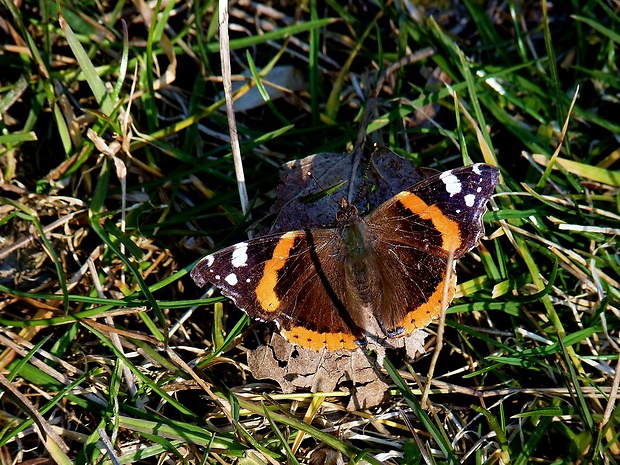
{"x":323,"y":191}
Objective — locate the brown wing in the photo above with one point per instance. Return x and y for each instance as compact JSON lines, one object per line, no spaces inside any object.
{"x":413,"y":288}
{"x":415,"y":231}
{"x":293,"y":279}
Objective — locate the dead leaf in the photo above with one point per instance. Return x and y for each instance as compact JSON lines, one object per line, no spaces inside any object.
{"x":294,"y":367}
{"x":365,"y":182}
{"x":278,"y":82}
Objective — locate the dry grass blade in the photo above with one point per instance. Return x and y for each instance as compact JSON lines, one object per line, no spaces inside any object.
{"x":52,"y":441}
{"x":230,"y":109}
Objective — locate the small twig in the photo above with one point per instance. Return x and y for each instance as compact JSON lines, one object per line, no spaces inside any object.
{"x":52,"y":441}
{"x":107,"y":445}
{"x":418,"y":441}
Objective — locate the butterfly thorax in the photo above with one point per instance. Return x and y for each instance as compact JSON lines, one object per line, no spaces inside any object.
{"x":352,"y":231}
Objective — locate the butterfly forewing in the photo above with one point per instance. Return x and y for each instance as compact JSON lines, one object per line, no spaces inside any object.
{"x":290,"y":279}
{"x":440,"y":213}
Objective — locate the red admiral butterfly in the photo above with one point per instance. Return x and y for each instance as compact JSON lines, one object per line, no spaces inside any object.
{"x":381,"y":275}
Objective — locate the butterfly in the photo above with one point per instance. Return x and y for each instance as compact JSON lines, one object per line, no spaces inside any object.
{"x":381,"y":275}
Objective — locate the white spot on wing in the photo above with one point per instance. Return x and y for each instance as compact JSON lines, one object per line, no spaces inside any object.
{"x":231,"y":279}
{"x":453,"y":185}
{"x":240,"y":255}
{"x":209,"y":259}
{"x":476,"y":168}
{"x":470,"y":199}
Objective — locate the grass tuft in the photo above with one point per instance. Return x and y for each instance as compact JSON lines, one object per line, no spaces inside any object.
{"x":116,"y":176}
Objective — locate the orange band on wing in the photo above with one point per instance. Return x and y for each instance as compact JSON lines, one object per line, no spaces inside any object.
{"x":266,"y":289}
{"x":316,"y":341}
{"x":425,"y":313}
{"x":448,"y":228}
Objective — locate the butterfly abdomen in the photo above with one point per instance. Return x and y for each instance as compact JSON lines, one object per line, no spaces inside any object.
{"x":363,"y":280}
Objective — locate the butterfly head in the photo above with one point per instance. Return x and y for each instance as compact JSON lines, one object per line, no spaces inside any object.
{"x":346,"y":213}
